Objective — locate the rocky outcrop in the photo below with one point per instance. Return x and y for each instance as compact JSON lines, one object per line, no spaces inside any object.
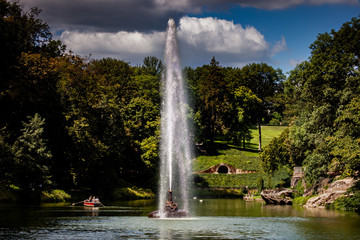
{"x":329,"y":193}
{"x":277,"y":196}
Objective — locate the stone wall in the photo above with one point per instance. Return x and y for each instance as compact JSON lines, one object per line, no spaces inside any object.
{"x":230,"y":169}
{"x":297,"y":175}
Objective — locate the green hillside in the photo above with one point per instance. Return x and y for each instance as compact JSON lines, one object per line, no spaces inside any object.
{"x":234,"y":155}
{"x":247,"y":159}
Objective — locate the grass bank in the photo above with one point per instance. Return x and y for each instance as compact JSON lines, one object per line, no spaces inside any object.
{"x":246,"y":159}
{"x":132,"y":193}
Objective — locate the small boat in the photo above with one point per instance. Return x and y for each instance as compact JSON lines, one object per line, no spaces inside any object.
{"x":92,"y":202}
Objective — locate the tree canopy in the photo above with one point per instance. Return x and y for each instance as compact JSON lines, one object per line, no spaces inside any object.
{"x":322,"y":98}
{"x":75,"y":122}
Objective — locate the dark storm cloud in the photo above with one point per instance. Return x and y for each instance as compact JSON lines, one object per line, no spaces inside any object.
{"x":106,"y":16}
{"x":143,"y":15}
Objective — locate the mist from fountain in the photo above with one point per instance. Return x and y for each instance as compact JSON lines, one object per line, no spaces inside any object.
{"x":175,"y":144}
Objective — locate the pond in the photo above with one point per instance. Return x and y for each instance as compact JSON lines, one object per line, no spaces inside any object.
{"x":211,"y":219}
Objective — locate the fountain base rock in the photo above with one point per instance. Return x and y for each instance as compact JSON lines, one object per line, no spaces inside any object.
{"x":170,"y":210}
{"x":168,"y":214}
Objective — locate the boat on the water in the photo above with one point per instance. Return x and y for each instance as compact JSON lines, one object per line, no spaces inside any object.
{"x":92,"y":203}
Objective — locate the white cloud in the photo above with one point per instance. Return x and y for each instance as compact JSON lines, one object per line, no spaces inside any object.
{"x":279,"y":46}
{"x":199,"y":38}
{"x":220,"y":36}
{"x":293,"y":63}
{"x":121,"y":44}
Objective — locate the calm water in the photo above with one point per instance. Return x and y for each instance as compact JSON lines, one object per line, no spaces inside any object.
{"x":212,"y":219}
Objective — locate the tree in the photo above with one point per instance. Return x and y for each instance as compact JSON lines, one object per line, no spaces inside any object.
{"x":22,"y":32}
{"x":213,"y":94}
{"x":245,"y":106}
{"x":7,"y":165}
{"x":152,"y":66}
{"x":263,"y":80}
{"x":275,"y":154}
{"x":325,"y":92}
{"x":31,"y":153}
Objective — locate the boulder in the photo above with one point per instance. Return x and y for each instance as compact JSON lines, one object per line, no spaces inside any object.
{"x":329,"y":194}
{"x":280,"y":196}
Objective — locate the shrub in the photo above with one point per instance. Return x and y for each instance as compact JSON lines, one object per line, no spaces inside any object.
{"x":347,"y":203}
{"x":8,"y":195}
{"x":246,"y":163}
{"x":301,"y":201}
{"x":260,"y":184}
{"x":55,"y":195}
{"x":274,"y":122}
{"x":219,"y":193}
{"x":299,"y":189}
{"x":130,"y":193}
{"x":250,"y":180}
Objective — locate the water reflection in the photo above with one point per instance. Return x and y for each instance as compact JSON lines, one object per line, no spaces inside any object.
{"x":235,"y":207}
{"x":212,"y":219}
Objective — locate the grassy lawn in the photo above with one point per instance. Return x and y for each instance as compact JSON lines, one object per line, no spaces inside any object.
{"x":267,"y":133}
{"x":247,"y":159}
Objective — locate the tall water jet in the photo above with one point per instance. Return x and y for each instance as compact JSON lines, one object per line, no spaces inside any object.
{"x":175,"y":144}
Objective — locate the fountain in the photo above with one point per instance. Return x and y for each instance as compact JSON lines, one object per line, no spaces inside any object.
{"x":175,"y":150}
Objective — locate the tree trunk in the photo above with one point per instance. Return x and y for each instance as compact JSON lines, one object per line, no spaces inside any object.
{"x":260,"y":149}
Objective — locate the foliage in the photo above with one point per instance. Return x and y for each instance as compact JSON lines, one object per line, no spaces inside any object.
{"x":218,"y":193}
{"x":32,"y":154}
{"x":245,"y":106}
{"x":347,"y":203}
{"x":260,"y":184}
{"x":275,"y":154}
{"x":213,"y":94}
{"x":131,"y":193}
{"x":299,"y":188}
{"x":55,"y":195}
{"x":323,"y":97}
{"x":8,"y":194}
{"x":22,"y":32}
{"x":152,"y":66}
{"x":264,"y":81}
{"x":300,"y":201}
{"x":246,"y":163}
{"x":7,"y":165}
{"x":240,"y":180}
{"x":102,"y":116}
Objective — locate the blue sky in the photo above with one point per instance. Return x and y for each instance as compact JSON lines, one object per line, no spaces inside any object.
{"x":236,"y":32}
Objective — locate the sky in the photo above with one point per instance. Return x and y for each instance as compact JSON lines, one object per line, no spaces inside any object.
{"x":235,"y":32}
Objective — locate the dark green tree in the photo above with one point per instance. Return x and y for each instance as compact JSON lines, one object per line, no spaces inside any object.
{"x":323,"y":91}
{"x":213,"y":96}
{"x":22,"y":32}
{"x":32,"y":155}
{"x":152,"y":66}
{"x":264,"y":82}
{"x":245,"y":106}
{"x":275,"y":154}
{"x":7,"y":164}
